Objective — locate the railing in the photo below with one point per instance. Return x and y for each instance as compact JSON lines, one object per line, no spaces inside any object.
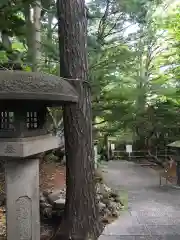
{"x":157,"y":156}
{"x":119,"y":154}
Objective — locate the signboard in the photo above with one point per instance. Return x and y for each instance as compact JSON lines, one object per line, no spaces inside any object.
{"x":95,"y":156}
{"x":129,"y":148}
{"x":112,"y":146}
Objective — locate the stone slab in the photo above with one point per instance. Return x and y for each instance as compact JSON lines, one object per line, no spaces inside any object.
{"x":55,"y":195}
{"x":60,"y":203}
{"x":121,"y":225}
{"x":114,"y":237}
{"x":166,"y":221}
{"x":164,"y":230}
{"x":130,"y":226}
{"x":22,"y":189}
{"x":25,"y":147}
{"x":154,"y":211}
{"x":148,"y":237}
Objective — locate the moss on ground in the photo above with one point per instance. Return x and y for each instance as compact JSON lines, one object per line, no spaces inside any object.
{"x":123,"y":195}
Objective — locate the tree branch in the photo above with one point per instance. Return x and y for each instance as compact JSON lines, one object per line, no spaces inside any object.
{"x":102,"y":22}
{"x":94,"y":124}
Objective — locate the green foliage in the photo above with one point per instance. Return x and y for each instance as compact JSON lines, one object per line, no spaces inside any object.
{"x":134,"y":63}
{"x":131,"y":81}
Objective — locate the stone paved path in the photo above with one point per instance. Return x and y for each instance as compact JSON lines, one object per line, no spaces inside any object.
{"x":153,"y":211}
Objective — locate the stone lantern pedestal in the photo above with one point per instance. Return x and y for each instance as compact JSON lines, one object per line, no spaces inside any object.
{"x":22,"y":189}
{"x":24,"y":98}
{"x":22,"y":184}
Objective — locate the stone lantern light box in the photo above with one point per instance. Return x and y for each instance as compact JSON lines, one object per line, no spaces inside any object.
{"x":24,"y":98}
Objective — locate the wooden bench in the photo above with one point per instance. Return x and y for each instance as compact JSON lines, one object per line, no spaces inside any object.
{"x":168,"y":172}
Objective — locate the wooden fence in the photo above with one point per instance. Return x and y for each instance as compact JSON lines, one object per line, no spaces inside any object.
{"x":157,"y":155}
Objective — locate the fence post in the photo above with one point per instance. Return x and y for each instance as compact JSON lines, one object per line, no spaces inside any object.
{"x":166,"y":154}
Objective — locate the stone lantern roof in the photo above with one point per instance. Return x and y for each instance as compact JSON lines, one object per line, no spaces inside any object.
{"x":20,"y":85}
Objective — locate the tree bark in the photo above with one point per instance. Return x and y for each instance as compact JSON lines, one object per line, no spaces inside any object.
{"x":37,"y":34}
{"x":29,"y":32}
{"x":33,"y":33}
{"x":81,"y":219}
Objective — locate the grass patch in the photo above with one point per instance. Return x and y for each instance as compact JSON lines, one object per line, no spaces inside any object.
{"x":123,"y":194}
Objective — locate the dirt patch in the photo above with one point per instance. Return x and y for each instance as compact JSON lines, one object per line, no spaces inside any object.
{"x":52,"y":176}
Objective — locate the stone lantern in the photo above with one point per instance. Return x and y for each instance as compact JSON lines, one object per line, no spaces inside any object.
{"x":24,"y":98}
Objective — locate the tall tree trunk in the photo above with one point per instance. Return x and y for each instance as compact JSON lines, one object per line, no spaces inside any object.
{"x":49,"y":38}
{"x":106,"y":145}
{"x":81,"y":211}
{"x":37,"y":35}
{"x":33,"y":33}
{"x":29,"y":32}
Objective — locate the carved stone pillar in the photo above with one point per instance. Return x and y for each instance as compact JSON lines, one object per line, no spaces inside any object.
{"x":22,"y":188}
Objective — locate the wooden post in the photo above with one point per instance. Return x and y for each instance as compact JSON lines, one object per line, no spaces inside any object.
{"x":178,"y":173}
